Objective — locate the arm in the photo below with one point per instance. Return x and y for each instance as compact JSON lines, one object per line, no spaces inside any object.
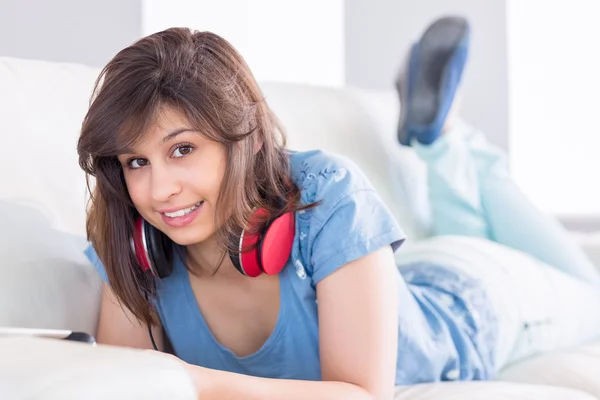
{"x":118,"y":327}
{"x":358,"y":325}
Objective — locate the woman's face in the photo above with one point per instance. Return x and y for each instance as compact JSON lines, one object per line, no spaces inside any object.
{"x":173,"y":177}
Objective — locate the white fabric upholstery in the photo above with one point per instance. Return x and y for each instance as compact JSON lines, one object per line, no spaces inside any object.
{"x":360,"y":125}
{"x":575,"y":368}
{"x":488,"y":391}
{"x":42,"y":105}
{"x":52,"y":369}
{"x":46,"y":282}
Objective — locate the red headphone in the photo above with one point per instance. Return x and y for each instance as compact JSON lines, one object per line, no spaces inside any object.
{"x":267,"y":251}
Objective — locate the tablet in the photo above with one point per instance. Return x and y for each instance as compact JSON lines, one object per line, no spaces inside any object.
{"x":47,"y":333}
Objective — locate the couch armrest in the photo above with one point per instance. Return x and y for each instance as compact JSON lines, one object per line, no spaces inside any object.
{"x":47,"y":281}
{"x":51,"y":369}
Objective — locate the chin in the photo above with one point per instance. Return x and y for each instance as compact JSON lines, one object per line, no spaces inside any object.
{"x":189,"y":238}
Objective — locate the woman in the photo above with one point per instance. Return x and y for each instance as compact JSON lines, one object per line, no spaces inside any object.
{"x":270,"y":272}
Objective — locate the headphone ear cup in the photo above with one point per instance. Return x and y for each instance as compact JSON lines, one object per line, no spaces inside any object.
{"x":235,"y":260}
{"x":139,"y":246}
{"x":160,"y":251}
{"x":276,"y":243}
{"x":246,"y":259}
{"x":268,"y":252}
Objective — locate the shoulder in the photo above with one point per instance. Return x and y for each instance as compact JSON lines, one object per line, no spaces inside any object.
{"x":326,"y":177}
{"x":349,"y":220}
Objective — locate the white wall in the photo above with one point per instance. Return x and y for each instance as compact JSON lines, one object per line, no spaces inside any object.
{"x":555,"y":103}
{"x":379,"y":32}
{"x":88,"y":32}
{"x":281,"y":41}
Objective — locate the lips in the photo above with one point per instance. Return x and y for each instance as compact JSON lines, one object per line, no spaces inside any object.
{"x":183,"y":216}
{"x":184,"y":211}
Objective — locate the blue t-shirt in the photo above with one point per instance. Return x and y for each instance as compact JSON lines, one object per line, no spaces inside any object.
{"x":438,"y":337}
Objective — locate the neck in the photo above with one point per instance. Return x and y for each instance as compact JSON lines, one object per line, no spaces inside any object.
{"x":208,"y":260}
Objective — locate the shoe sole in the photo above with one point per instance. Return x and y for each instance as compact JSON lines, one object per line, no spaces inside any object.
{"x":436,"y":47}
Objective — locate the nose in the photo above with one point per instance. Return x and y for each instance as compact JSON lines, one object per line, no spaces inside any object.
{"x":164,"y":184}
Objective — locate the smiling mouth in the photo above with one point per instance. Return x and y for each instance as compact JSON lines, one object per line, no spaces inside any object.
{"x":184,"y":211}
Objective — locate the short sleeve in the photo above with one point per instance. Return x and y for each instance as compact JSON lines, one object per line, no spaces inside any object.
{"x":91,"y":254}
{"x":356,"y":225}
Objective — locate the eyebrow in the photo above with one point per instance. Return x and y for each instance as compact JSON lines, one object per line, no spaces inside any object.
{"x":170,"y":136}
{"x":175,"y":133}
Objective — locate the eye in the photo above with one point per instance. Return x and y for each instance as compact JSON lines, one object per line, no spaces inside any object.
{"x":183,"y":150}
{"x":136,"y":163}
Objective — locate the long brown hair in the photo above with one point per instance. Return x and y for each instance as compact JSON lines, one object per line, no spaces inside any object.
{"x":203,"y":76}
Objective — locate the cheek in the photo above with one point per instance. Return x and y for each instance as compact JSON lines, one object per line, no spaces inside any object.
{"x":205,"y":184}
{"x":217,"y":180}
{"x":206,"y":178}
{"x":136,"y":192}
{"x":218,"y":176}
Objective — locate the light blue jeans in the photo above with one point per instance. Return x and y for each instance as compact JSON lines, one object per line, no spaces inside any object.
{"x":546,"y":305}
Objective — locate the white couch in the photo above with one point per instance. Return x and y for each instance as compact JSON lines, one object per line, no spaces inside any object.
{"x":47,"y":282}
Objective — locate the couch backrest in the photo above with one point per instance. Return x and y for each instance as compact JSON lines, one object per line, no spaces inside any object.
{"x":42,"y":105}
{"x":361,"y":125}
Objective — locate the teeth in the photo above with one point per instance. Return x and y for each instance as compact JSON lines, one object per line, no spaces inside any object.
{"x":185,"y":211}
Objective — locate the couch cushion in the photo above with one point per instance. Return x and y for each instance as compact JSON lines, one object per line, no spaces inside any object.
{"x":575,"y":368}
{"x":488,"y":391}
{"x":50,"y":369}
